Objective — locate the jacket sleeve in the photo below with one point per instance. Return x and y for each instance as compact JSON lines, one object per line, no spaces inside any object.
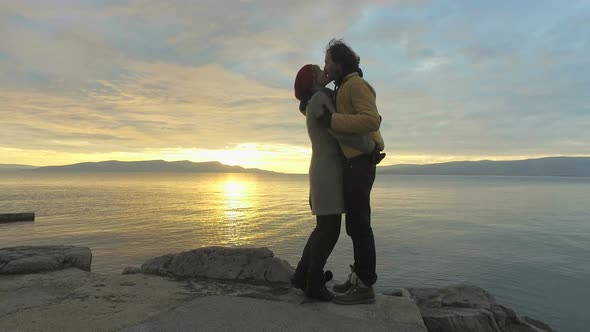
{"x":361,"y":143}
{"x":366,"y":117}
{"x":320,"y":99}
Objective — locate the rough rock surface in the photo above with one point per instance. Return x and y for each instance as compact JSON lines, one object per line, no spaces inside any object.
{"x":213,"y":283}
{"x":263,"y":315}
{"x":33,"y":259}
{"x":74,"y":300}
{"x":467,"y":308}
{"x":248,"y":264}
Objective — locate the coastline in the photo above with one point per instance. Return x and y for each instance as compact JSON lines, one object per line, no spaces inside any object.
{"x":67,"y":298}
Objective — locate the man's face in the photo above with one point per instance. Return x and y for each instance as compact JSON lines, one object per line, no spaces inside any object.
{"x":332,"y":70}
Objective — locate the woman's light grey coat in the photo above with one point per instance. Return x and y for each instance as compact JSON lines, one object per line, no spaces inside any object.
{"x":325,"y":169}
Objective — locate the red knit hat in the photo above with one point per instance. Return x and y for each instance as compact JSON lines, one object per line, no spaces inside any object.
{"x":304,"y":82}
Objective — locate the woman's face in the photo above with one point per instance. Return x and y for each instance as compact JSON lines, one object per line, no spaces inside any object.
{"x":320,"y":77}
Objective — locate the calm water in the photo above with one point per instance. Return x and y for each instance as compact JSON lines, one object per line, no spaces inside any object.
{"x":524,"y":239}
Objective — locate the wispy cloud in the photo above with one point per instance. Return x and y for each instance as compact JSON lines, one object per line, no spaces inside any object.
{"x":463,"y":79}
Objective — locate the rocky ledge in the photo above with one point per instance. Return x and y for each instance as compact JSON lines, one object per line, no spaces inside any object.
{"x":245,"y":264}
{"x":202,"y":288}
{"x":467,"y":308}
{"x":28,"y":259}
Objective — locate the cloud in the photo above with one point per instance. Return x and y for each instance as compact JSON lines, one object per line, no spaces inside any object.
{"x":162,"y":105}
{"x":453,"y":79}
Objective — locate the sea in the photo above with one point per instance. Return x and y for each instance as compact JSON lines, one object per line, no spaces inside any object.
{"x":526,"y":240}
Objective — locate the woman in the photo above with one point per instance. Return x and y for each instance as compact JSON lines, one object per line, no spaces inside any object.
{"x":325,"y":179}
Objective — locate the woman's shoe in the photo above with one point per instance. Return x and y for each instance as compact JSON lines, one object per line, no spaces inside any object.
{"x":298,"y":283}
{"x":328,"y":275}
{"x":322,"y":294}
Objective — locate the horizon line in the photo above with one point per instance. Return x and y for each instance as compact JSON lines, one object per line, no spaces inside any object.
{"x":254,"y":168}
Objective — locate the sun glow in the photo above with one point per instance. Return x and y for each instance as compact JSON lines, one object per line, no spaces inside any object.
{"x":283,"y":158}
{"x":235,"y":191}
{"x":278,"y":158}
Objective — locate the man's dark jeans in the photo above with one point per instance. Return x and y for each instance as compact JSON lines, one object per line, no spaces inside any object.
{"x":359,"y":175}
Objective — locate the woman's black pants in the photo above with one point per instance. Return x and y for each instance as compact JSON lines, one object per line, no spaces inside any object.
{"x":319,"y":246}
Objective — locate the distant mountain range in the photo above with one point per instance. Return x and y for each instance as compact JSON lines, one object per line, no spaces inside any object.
{"x":141,"y":166}
{"x":552,"y":166}
{"x":15,"y":167}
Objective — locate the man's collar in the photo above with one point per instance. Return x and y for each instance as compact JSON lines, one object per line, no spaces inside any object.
{"x":347,"y":77}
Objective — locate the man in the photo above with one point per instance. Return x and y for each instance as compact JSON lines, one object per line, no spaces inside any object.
{"x":356,"y":113}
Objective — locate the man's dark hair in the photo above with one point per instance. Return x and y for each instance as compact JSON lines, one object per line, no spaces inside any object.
{"x":343,"y":55}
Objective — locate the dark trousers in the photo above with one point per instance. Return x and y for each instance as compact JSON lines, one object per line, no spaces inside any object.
{"x":318,"y":248}
{"x":359,"y":175}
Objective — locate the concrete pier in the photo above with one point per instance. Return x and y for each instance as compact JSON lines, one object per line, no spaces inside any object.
{"x":12,"y":217}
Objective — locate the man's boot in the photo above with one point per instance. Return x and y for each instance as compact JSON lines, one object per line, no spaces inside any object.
{"x":358,"y":294}
{"x":347,"y":285}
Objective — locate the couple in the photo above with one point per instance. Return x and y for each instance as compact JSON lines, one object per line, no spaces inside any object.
{"x":343,"y":127}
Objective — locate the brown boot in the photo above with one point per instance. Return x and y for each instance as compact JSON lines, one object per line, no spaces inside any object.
{"x":358,"y":294}
{"x":347,"y":285}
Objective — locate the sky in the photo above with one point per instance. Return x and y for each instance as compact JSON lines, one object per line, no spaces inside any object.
{"x":213,"y":80}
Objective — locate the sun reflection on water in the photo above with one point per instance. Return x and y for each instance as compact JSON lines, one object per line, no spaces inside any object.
{"x":238,"y":206}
